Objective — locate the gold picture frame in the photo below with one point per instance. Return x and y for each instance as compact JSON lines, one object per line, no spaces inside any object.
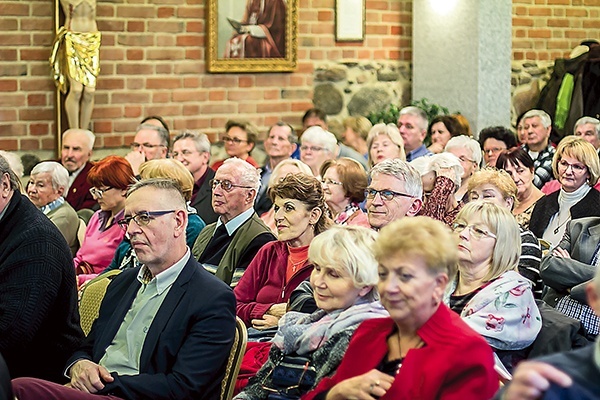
{"x":238,"y":41}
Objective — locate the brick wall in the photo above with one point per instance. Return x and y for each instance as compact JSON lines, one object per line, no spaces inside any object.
{"x":549,"y":29}
{"x":152,"y":61}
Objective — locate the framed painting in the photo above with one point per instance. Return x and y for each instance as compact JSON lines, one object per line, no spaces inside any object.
{"x":252,"y":36}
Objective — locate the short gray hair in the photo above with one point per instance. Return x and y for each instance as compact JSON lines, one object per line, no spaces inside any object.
{"x":318,"y":135}
{"x":417,"y":112}
{"x":15,"y":183}
{"x":439,"y":161}
{"x":462,"y":141}
{"x":349,"y":249}
{"x":589,"y":120}
{"x":163,"y":134}
{"x":200,"y":140}
{"x":91,"y":138}
{"x":543,"y":115}
{"x":58,"y":173}
{"x":250,"y":176}
{"x":161,"y":184}
{"x":403,"y":171}
{"x":292,"y":137}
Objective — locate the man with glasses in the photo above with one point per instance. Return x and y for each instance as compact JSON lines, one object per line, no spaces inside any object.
{"x":192,"y":149}
{"x":395,"y":191}
{"x":538,"y":125}
{"x":227,"y":246}
{"x":39,"y":321}
{"x":165,"y":329}
{"x":77,"y":145}
{"x":151,"y":142}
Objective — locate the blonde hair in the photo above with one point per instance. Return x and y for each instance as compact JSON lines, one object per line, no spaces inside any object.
{"x":580,"y":149}
{"x":392,"y":132}
{"x":421,"y":237}
{"x":502,"y":223}
{"x":275,"y":178}
{"x":360,"y":125}
{"x":171,"y":169}
{"x":348,"y":248}
{"x":497,"y":177}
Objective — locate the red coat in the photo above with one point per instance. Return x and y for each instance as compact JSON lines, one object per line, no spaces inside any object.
{"x":263,"y":282}
{"x":455,"y":362}
{"x":79,"y":195}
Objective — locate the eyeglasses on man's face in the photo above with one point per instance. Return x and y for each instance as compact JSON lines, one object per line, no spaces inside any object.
{"x":474,"y":230}
{"x":386,"y":194}
{"x":226,"y":185}
{"x":312,"y":148}
{"x":136,"y":146}
{"x":143,"y":218}
{"x":97,"y":192}
{"x":234,"y":140}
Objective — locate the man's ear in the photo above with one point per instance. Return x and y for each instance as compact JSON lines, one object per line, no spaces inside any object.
{"x":415,"y":207}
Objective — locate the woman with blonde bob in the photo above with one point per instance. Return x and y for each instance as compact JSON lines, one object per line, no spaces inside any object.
{"x":424,"y":350}
{"x":576,"y":166}
{"x":343,"y":280}
{"x":163,"y":168}
{"x":487,"y":292}
{"x":384,"y":142}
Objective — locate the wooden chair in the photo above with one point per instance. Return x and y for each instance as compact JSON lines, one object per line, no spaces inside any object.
{"x":91,"y":298}
{"x":235,"y":360}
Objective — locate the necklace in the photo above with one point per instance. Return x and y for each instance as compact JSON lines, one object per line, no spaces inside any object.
{"x":295,"y":265}
{"x":561,"y":225}
{"x":418,"y":344}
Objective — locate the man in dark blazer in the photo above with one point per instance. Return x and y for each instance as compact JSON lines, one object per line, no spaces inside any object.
{"x":77,"y":145}
{"x":192,"y":149}
{"x":165,"y":330}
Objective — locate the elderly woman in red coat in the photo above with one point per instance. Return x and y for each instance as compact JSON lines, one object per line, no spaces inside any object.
{"x":424,"y":350}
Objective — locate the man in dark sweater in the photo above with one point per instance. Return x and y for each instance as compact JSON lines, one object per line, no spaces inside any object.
{"x":39,"y":321}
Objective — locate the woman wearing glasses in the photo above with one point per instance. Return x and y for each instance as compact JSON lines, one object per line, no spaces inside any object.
{"x":239,"y":140}
{"x":344,"y":183}
{"x":487,"y":292}
{"x":280,"y":266}
{"x":424,"y":350}
{"x":575,"y":165}
{"x":109,"y":179}
{"x":343,"y":279}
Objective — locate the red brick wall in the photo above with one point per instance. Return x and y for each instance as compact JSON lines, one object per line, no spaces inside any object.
{"x":152,"y":61}
{"x":549,"y":29}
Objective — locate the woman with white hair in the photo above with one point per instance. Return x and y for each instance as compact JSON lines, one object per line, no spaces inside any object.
{"x":469,"y":153}
{"x":317,"y":146}
{"x":46,"y":187}
{"x":440,"y":174}
{"x":343,"y":279}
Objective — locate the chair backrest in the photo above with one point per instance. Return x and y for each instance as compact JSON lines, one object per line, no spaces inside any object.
{"x":81,"y":231}
{"x":235,"y":360}
{"x":91,"y":298}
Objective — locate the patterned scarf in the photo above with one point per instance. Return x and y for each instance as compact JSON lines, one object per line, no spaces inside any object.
{"x":344,"y":216}
{"x":304,"y":333}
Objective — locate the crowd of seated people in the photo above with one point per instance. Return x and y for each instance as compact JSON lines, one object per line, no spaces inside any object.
{"x":304,"y":251}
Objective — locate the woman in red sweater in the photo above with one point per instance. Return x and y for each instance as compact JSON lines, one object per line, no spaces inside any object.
{"x":424,"y":350}
{"x":300,"y":214}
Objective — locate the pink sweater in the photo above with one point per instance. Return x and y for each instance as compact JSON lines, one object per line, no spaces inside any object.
{"x":99,"y":245}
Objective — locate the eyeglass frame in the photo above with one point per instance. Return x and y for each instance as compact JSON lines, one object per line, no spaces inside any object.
{"x":98,"y":193}
{"x":313,"y":148}
{"x":575,"y":168}
{"x":151,"y":215}
{"x":219,"y":182}
{"x":371,"y":193}
{"x":494,"y":150}
{"x":233,"y":140}
{"x":474,"y":231}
